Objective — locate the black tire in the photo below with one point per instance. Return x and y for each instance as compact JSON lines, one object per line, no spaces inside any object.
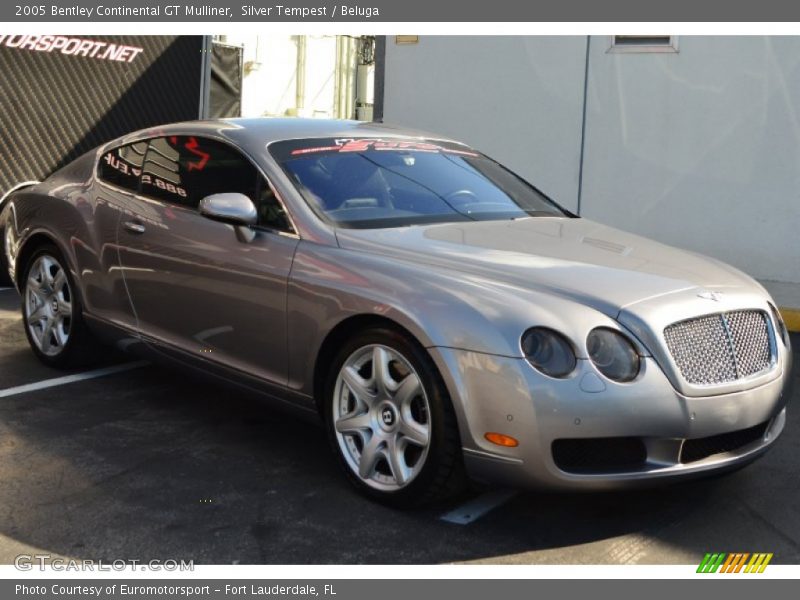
{"x":441,"y":475}
{"x":5,"y":279}
{"x":80,"y":348}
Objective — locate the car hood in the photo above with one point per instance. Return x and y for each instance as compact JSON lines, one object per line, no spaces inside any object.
{"x":603,"y":267}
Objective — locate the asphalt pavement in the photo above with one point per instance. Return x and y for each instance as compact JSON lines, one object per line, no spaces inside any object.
{"x":146,"y":463}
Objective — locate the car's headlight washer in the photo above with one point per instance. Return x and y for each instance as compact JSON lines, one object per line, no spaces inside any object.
{"x":613,"y":354}
{"x":549,"y":352}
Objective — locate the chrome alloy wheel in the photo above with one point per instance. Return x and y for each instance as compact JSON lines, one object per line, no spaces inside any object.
{"x":381,"y":416}
{"x":48,"y":305}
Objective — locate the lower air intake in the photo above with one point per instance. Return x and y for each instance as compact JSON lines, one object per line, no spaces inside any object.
{"x":702,"y":448}
{"x":599,"y":455}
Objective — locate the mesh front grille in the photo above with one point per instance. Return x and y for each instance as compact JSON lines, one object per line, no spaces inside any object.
{"x":720,"y":348}
{"x":750,"y":340}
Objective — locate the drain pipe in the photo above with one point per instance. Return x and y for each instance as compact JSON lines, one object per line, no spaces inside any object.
{"x":337,"y":101}
{"x":300,"y":75}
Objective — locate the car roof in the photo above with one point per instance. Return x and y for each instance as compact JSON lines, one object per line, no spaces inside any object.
{"x":256,"y":133}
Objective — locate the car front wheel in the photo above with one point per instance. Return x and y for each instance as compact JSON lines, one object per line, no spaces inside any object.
{"x":391,"y":422}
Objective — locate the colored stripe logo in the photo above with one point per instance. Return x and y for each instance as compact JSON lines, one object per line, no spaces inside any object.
{"x":736,"y":562}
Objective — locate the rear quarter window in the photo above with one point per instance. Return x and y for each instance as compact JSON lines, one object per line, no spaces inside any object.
{"x":122,"y":166}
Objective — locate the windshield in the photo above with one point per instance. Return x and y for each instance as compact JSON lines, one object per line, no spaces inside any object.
{"x":372,"y":183}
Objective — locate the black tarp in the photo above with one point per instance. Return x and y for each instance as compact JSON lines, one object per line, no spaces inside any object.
{"x":226,"y":81}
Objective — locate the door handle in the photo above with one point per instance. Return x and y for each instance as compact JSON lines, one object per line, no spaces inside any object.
{"x":134,"y":227}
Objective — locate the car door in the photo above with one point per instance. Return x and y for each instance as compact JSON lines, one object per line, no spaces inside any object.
{"x":115,"y":185}
{"x":211,"y":290}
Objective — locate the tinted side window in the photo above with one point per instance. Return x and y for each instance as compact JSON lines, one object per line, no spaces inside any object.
{"x":164,"y":172}
{"x":122,"y":166}
{"x":270,"y":211}
{"x":185,"y":169}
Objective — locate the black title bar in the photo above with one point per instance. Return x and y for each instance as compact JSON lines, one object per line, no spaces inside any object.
{"x":232,"y":11}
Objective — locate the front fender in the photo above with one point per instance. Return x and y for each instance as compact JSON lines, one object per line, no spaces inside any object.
{"x":440,"y":308}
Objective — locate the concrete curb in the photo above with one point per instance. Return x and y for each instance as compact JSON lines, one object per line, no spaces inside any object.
{"x":791,"y":316}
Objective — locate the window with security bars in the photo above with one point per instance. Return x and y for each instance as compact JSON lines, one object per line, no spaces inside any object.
{"x":643,"y":44}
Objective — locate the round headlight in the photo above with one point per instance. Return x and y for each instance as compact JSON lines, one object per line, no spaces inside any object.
{"x":612,"y":354}
{"x":548,"y":351}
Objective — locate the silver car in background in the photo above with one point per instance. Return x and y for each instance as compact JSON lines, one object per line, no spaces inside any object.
{"x":443,"y":317}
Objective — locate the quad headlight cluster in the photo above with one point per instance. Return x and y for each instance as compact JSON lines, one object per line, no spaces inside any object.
{"x":610,"y":351}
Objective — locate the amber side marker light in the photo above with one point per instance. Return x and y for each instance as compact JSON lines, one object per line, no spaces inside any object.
{"x":501,"y":440}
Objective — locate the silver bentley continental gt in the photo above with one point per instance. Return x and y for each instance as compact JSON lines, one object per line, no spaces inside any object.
{"x":445,"y":319}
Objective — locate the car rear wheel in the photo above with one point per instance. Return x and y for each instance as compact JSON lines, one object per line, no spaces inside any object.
{"x":52,"y":312}
{"x":391,"y":422}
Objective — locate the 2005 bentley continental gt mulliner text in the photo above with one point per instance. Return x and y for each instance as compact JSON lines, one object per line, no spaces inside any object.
{"x":444,"y":318}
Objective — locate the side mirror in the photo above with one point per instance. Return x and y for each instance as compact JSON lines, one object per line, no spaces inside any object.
{"x":232,"y":208}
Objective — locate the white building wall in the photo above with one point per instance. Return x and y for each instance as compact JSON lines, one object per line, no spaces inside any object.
{"x":518,"y":99}
{"x":699,"y":149}
{"x":270,"y":70}
{"x":269,"y":86}
{"x":320,"y":76}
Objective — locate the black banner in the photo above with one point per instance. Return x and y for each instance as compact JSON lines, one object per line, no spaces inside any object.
{"x":226,"y":81}
{"x":62,"y":95}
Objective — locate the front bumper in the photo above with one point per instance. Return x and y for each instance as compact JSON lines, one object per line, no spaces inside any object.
{"x":506,"y":395}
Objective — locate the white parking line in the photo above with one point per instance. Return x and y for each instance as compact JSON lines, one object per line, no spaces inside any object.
{"x":477,"y":507}
{"x":48,"y":383}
